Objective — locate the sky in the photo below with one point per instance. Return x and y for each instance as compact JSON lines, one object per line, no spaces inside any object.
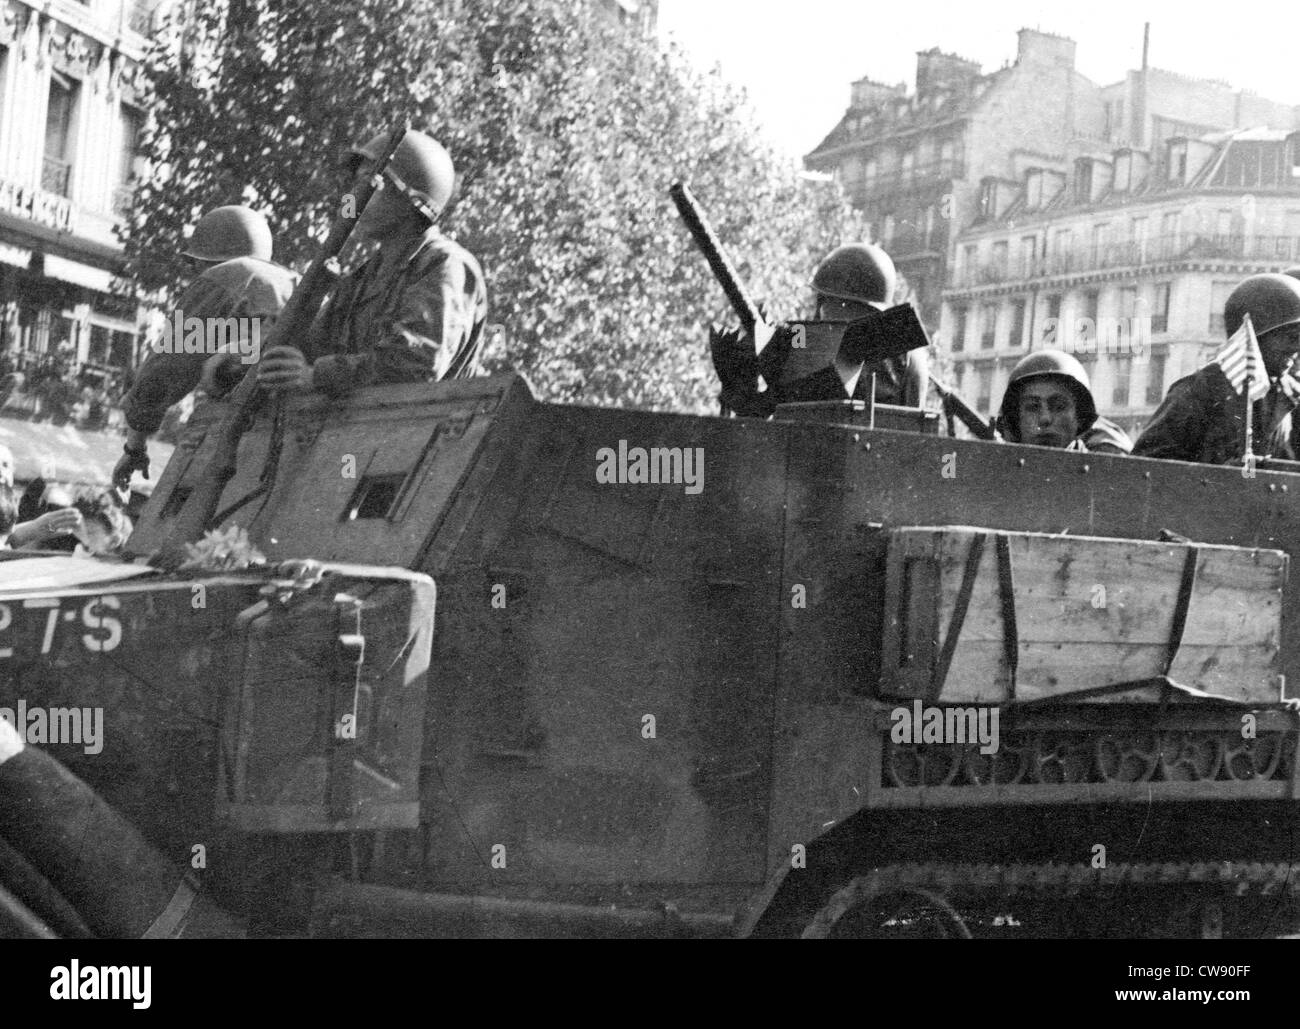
{"x":796,"y":58}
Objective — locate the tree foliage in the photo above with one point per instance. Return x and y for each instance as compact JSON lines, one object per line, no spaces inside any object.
{"x":566,"y":132}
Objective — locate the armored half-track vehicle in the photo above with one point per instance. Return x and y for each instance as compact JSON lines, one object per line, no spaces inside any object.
{"x":523,"y":668}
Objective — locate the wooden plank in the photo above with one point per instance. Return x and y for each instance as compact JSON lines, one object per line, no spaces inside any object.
{"x":1098,"y":611}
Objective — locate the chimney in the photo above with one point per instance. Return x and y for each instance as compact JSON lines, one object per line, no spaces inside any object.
{"x":866,"y":94}
{"x":1138,"y":135}
{"x":1043,"y":48}
{"x":936,"y":70}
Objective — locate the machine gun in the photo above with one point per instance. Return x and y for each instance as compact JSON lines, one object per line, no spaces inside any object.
{"x":888,"y":333}
{"x":197,"y":512}
{"x":955,"y":405}
{"x":752,"y":322}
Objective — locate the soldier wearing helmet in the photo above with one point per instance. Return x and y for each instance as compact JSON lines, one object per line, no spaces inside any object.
{"x":225,"y":233}
{"x":232,"y":244}
{"x":1048,"y":402}
{"x":1203,"y":418}
{"x":415,"y":310}
{"x":852,"y":282}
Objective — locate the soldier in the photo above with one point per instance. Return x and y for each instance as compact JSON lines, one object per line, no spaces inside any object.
{"x":1048,"y":402}
{"x":239,"y":281}
{"x":415,"y":310}
{"x":851,"y":283}
{"x":1203,"y":418}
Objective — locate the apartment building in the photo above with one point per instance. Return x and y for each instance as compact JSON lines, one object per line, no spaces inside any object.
{"x":916,"y":162}
{"x":1126,"y":261}
{"x":71,"y":86}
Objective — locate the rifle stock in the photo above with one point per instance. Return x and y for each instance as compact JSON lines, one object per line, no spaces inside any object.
{"x":967,"y":414}
{"x":294,"y":321}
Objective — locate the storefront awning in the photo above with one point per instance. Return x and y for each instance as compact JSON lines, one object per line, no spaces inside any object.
{"x":10,"y":254}
{"x":78,"y":273}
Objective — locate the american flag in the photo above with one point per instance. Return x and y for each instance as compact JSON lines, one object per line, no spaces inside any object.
{"x":1242,"y":355}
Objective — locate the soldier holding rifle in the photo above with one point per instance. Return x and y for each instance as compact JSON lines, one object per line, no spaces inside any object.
{"x":415,"y":310}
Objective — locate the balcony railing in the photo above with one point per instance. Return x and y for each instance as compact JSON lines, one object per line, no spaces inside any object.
{"x":898,"y":181}
{"x":1162,"y":249}
{"x":55,"y":175}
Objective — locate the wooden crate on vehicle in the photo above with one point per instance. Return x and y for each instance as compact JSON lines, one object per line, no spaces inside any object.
{"x":977,"y":615}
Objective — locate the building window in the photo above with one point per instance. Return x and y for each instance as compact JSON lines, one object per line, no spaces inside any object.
{"x":1139,"y":227}
{"x":1128,"y":301}
{"x":1156,"y":377}
{"x":1051,"y":325}
{"x":1082,"y":181}
{"x":984,"y":396}
{"x":1017,"y":324}
{"x":1160,"y":308}
{"x":1219,"y":292}
{"x":1028,"y":256}
{"x":1000,"y":252}
{"x":56,"y":173}
{"x":1123,"y":369}
{"x":1091,"y":305}
{"x":988,"y":326}
{"x":970,"y":260}
{"x":1100,"y":238}
{"x":1064,"y":243}
{"x":129,"y":121}
{"x":959,"y":315}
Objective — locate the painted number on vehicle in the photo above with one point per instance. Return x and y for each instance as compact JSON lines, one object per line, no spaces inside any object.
{"x":105,"y":630}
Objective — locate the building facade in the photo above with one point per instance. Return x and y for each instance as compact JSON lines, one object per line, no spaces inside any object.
{"x":1126,"y":262}
{"x":71,"y":85}
{"x":639,"y":16}
{"x":916,"y":162}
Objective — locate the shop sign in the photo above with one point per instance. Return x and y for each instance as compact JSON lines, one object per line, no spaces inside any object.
{"x":38,"y":206}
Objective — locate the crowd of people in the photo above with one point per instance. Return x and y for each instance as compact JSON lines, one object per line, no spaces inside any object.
{"x":50,"y":387}
{"x":62,"y":517}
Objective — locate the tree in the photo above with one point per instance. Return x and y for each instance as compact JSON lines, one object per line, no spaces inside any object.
{"x":566,"y":133}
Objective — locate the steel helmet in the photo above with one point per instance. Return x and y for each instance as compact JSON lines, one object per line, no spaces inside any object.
{"x":229,"y":232}
{"x":421,"y":169}
{"x":1293,"y":271}
{"x":1039,"y":364}
{"x":1271,"y":300}
{"x":858,"y":271}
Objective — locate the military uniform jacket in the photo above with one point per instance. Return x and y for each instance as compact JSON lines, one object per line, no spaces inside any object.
{"x":242,"y":288}
{"x":411,"y":316}
{"x":1203,"y":419}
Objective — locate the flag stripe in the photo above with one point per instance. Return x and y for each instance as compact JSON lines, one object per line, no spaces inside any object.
{"x":1241,"y":357}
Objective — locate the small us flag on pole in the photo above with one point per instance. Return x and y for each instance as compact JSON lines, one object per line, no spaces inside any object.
{"x":1241,"y":361}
